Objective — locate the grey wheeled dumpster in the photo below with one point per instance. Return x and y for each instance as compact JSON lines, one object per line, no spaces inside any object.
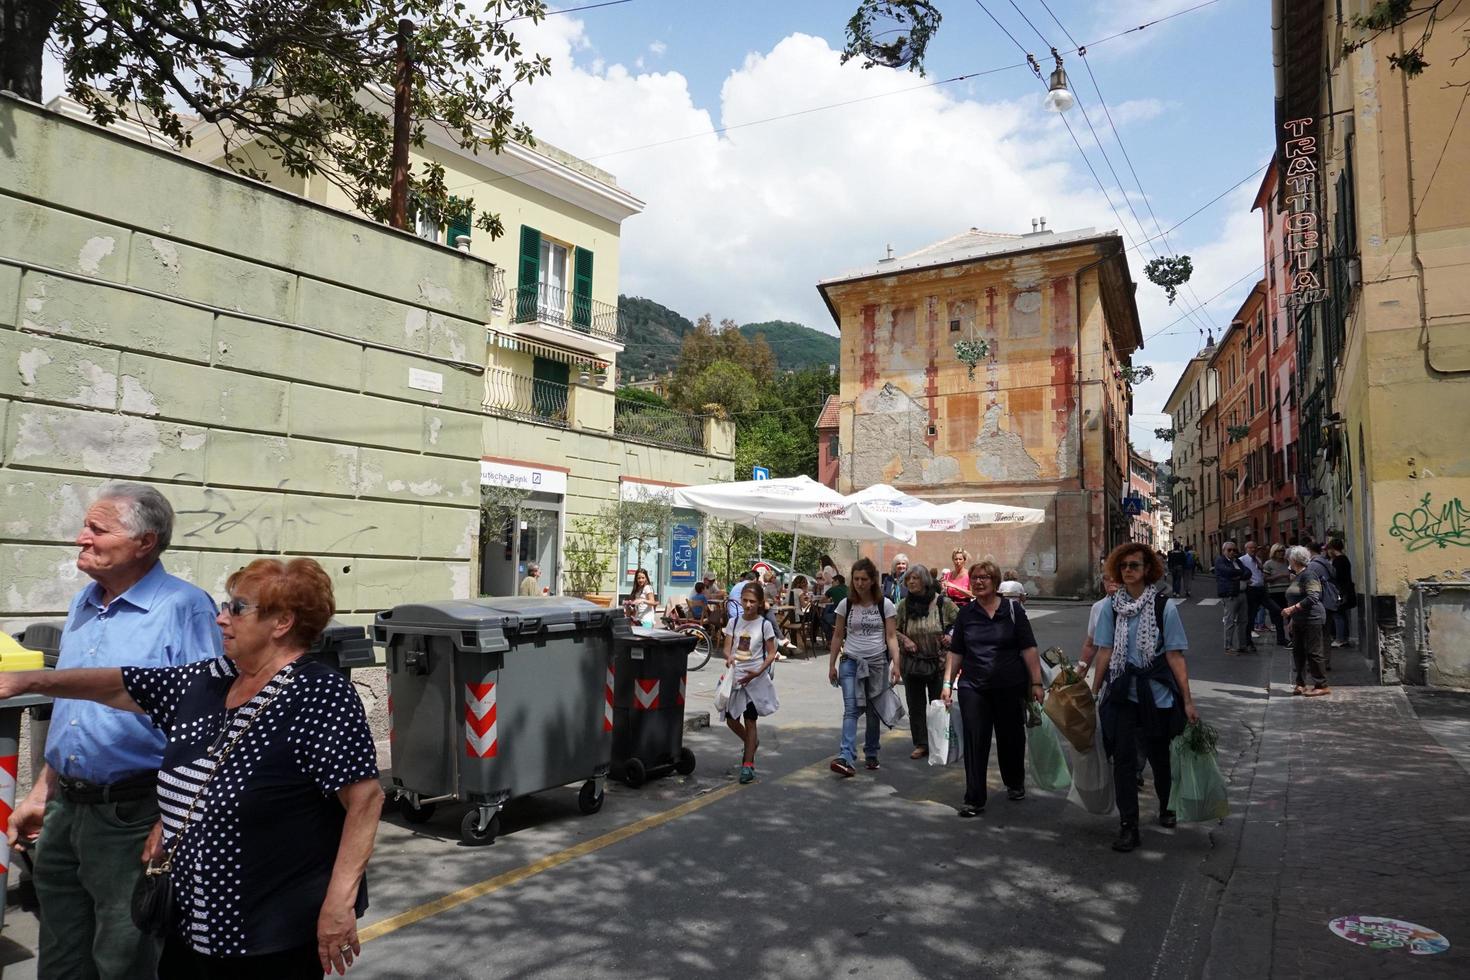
{"x":648,"y":705}
{"x":497,"y":698}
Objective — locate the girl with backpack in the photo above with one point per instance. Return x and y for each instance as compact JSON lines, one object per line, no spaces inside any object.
{"x":865,"y":663}
{"x":924,"y":615}
{"x":1139,"y":670}
{"x":750,"y":651}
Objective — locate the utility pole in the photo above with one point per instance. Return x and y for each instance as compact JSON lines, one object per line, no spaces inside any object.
{"x":402,"y":116}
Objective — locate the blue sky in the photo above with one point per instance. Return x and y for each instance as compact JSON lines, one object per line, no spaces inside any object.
{"x":744,"y":224}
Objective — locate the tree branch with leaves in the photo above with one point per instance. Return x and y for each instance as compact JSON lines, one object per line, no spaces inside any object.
{"x":304,"y":84}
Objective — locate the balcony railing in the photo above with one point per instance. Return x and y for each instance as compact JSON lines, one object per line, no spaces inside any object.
{"x":540,"y":303}
{"x":532,"y":399}
{"x":658,"y":425}
{"x":497,"y":289}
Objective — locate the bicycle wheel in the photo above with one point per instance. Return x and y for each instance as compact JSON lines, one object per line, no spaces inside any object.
{"x":703,"y":647}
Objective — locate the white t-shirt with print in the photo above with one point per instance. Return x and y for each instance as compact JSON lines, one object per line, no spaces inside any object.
{"x":865,"y":628}
{"x":750,"y":637}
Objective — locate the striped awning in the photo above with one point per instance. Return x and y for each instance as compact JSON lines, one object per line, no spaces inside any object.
{"x":548,"y":351}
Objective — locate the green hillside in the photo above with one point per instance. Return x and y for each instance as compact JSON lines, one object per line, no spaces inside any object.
{"x":796,"y":347}
{"x":656,"y":332}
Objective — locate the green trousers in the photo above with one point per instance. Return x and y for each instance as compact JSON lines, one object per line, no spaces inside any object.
{"x":88,"y":861}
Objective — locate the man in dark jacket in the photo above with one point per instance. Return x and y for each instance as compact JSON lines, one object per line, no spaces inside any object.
{"x":1230,"y":576}
{"x":1175,"y":562}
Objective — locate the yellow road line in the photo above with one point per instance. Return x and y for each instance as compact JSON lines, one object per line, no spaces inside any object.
{"x":471,"y":892}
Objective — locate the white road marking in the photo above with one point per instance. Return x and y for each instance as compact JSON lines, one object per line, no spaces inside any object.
{"x":1209,"y":602}
{"x":1038,"y":613}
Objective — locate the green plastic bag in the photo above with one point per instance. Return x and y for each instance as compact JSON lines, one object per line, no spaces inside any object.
{"x":1199,"y":793}
{"x":1044,"y":755}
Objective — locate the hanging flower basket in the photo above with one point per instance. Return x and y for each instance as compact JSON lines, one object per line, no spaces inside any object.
{"x":1169,"y":273}
{"x":1235,"y":433}
{"x":1133,"y":375}
{"x":971,"y":353}
{"x":1164,"y":435}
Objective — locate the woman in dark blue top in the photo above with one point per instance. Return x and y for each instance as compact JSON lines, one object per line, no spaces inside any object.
{"x":993,"y":661}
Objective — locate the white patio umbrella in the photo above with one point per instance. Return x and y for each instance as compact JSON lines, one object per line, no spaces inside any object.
{"x":892,"y":509}
{"x":794,"y":505}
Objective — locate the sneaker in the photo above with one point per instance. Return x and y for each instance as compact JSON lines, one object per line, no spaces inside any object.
{"x":1015,"y":795}
{"x":1127,"y":838}
{"x":747,"y":774}
{"x":843,"y":768}
{"x":1167,"y":819}
{"x":1338,"y":643}
{"x":871,"y":765}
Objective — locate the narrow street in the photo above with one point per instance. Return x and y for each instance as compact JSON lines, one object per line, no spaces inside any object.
{"x":806,"y":875}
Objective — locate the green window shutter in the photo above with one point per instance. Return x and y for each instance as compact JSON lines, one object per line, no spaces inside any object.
{"x":582,"y":290}
{"x":457,"y":225}
{"x":549,"y":388}
{"x":530,"y":274}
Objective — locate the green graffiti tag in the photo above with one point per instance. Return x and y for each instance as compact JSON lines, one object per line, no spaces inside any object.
{"x":1424,"y":525}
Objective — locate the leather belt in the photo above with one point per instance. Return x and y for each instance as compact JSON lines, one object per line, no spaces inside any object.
{"x":124,"y":790}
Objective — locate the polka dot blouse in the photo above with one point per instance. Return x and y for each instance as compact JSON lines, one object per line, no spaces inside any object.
{"x":251,"y":874}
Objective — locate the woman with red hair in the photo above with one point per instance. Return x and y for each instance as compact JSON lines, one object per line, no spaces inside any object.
{"x":269,"y":787}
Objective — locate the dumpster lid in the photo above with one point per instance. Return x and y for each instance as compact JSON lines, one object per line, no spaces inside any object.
{"x":509,"y":612}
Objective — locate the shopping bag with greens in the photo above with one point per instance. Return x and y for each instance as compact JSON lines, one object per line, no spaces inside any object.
{"x":1199,"y":792}
{"x":1069,"y":702}
{"x":1044,"y":753}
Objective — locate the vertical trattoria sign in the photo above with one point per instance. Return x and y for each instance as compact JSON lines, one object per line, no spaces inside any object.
{"x":1303,"y":231}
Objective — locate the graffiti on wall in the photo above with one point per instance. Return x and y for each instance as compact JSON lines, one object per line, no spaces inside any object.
{"x":1433,"y":524}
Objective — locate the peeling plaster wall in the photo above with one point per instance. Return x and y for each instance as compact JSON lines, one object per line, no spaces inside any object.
{"x":1043,"y":422}
{"x":130,"y":348}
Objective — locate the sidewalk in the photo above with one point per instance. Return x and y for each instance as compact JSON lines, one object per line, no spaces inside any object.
{"x":1354,"y":809}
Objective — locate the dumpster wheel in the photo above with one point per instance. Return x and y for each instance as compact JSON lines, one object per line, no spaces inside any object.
{"x":589,"y":800}
{"x":422,"y":813}
{"x":634,"y":773}
{"x":684,"y":765}
{"x":471,"y":834}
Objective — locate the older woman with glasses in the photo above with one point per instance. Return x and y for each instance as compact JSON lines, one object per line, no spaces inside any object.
{"x":1139,"y":669}
{"x":269,"y":785}
{"x":924,"y":616}
{"x":993,"y":662}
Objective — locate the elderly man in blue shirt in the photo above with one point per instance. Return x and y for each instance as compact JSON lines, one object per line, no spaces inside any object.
{"x":94,"y":802}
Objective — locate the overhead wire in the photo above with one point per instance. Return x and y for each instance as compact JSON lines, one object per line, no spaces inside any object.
{"x":834,"y":105}
{"x":1117,"y":136}
{"x":1449,"y":136}
{"x":1143,"y":238}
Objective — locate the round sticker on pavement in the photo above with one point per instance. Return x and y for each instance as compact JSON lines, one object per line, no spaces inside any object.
{"x":1376,"y":932}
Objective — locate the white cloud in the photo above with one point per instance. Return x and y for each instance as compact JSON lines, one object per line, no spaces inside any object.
{"x":657,"y":48}
{"x":744,"y":224}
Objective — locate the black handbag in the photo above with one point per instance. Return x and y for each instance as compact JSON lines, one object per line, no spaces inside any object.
{"x":153,"y":909}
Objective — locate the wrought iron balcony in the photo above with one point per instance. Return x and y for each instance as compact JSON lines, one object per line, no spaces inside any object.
{"x":520,"y":397}
{"x":541,"y":303}
{"x":658,"y":425}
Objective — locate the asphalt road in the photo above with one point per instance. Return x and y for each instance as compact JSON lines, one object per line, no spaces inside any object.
{"x":803,"y":874}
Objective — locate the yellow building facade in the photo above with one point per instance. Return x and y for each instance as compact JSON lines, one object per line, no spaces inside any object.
{"x":1373,"y":185}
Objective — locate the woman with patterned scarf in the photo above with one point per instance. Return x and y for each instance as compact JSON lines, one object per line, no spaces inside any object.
{"x":924,"y":615}
{"x":1139,"y":668}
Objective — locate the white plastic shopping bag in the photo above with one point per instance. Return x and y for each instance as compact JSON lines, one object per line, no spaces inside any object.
{"x":724,"y":688}
{"x":1092,"y":775}
{"x":946,"y":741}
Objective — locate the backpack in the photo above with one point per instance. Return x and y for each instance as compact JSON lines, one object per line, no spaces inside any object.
{"x":1331,"y":598}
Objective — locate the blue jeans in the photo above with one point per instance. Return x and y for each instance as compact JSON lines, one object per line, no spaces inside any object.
{"x":847,"y":747}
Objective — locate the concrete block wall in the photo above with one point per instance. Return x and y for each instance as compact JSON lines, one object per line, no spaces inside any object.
{"x":262,"y":359}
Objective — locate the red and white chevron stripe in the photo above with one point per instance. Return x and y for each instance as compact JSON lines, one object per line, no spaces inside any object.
{"x":607,"y":713}
{"x":7,"y":804}
{"x":645,"y":693}
{"x":481,"y":736}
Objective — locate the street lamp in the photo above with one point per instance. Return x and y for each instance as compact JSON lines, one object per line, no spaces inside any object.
{"x":1059,"y":97}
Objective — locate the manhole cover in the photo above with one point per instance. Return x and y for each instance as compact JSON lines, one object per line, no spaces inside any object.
{"x":1376,"y":932}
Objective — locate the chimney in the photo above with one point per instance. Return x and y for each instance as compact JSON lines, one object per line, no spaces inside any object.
{"x":889,"y":256}
{"x":1033,"y":226}
{"x":1043,"y":223}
